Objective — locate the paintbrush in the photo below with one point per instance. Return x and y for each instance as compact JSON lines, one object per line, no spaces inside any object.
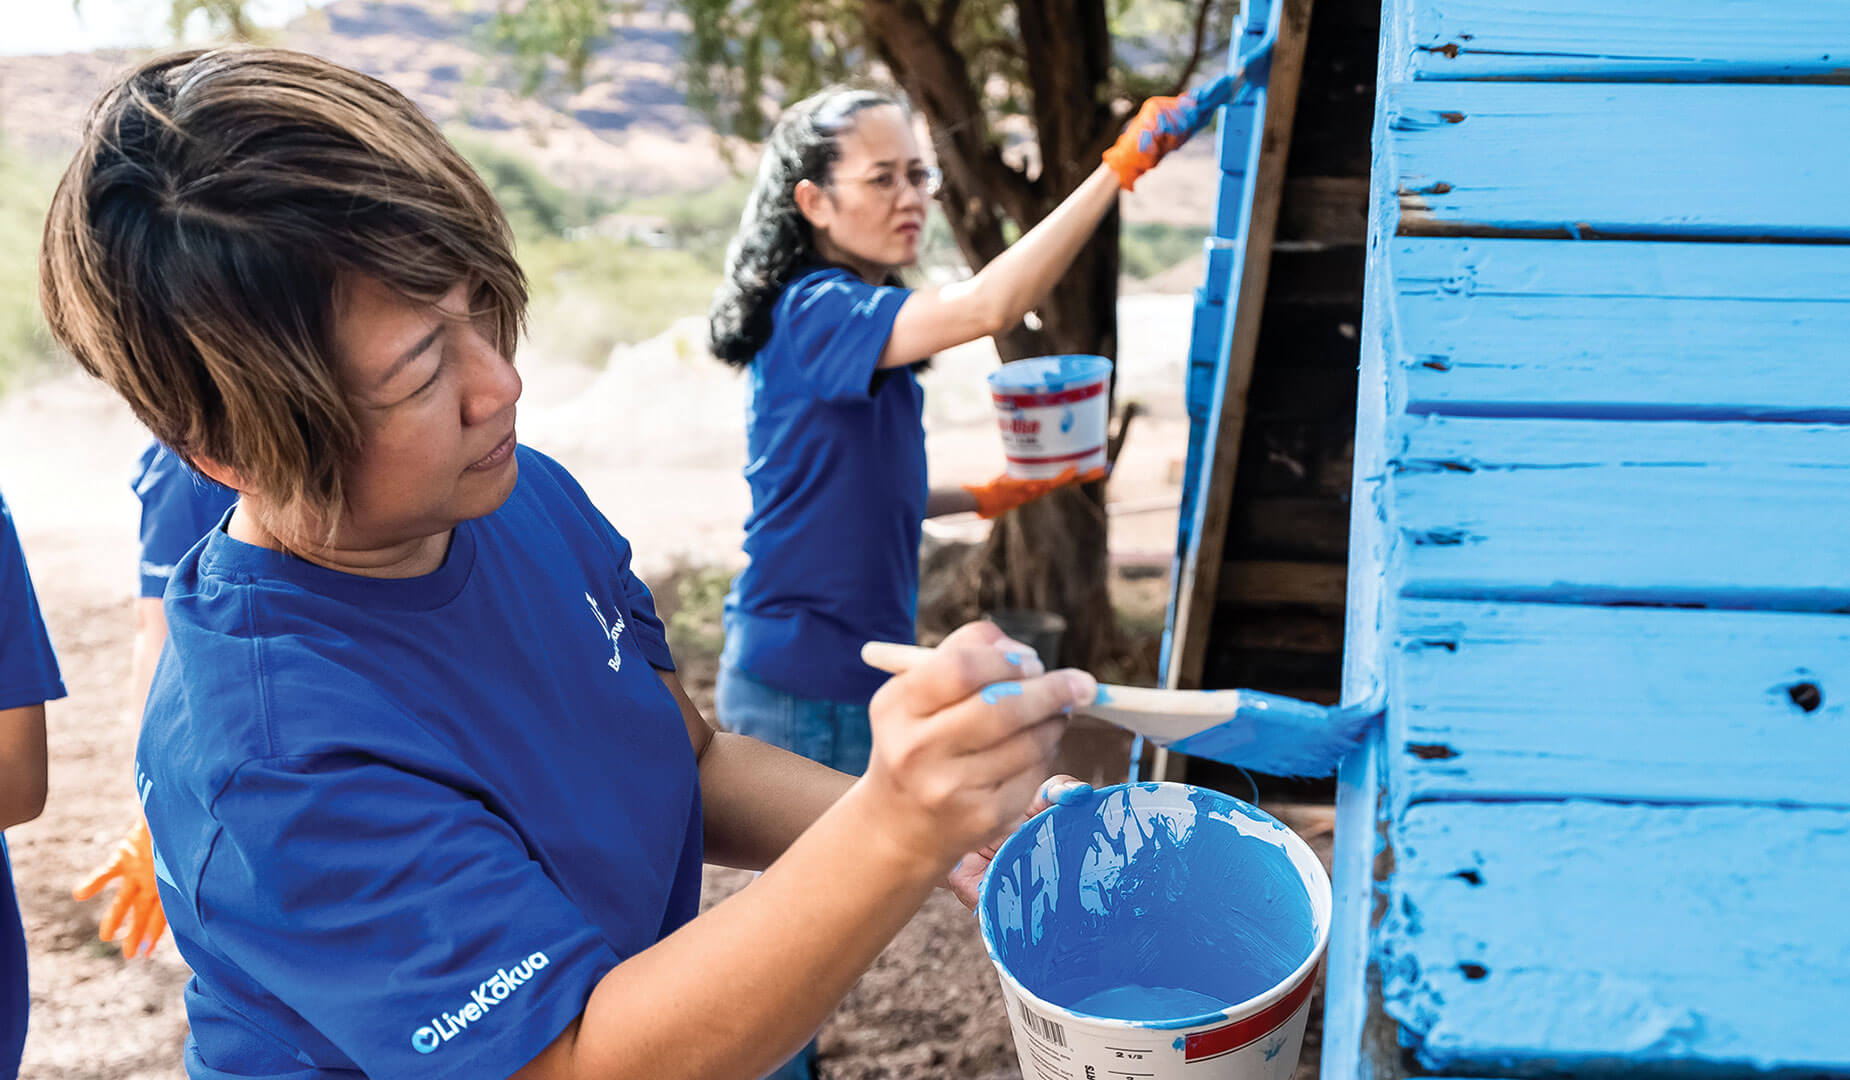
{"x":1266,"y":733}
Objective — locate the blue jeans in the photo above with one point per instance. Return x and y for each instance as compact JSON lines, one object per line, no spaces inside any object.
{"x":831,"y":732}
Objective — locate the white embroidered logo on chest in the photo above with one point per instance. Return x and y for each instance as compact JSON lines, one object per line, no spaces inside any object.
{"x":613,"y":630}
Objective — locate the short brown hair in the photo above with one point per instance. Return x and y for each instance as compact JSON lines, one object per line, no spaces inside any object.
{"x":194,"y":247}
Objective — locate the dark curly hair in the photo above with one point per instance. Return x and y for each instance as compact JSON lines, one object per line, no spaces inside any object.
{"x":775,"y":243}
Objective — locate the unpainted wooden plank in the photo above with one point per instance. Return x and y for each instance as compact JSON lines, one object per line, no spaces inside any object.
{"x":1620,"y":159}
{"x":1492,"y":327}
{"x":1289,"y":527}
{"x":1539,"y":937}
{"x":1646,"y":704}
{"x":1743,"y":515}
{"x":1629,"y":39}
{"x":1268,"y":582}
{"x":1324,"y":211}
{"x":1281,"y":631}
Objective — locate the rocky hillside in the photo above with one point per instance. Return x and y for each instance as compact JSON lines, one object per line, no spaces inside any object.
{"x":630,"y":132}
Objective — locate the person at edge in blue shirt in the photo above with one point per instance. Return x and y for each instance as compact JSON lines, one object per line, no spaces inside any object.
{"x":28,"y":679}
{"x":813,"y":310}
{"x":426,"y":797}
{"x":178,"y":508}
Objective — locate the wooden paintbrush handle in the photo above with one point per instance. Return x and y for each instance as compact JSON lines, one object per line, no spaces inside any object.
{"x":895,"y":659}
{"x":892,"y":657}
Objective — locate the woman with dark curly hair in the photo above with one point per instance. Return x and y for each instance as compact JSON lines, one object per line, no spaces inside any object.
{"x":813,"y":309}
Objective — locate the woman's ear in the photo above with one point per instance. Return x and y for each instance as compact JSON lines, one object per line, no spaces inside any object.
{"x":814,"y":203}
{"x":223,"y":474}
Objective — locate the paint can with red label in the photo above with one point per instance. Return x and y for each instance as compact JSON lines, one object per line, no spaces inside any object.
{"x":1052,"y":413}
{"x":1158,"y":931}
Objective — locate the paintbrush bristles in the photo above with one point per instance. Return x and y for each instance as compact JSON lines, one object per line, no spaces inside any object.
{"x":1281,"y":736}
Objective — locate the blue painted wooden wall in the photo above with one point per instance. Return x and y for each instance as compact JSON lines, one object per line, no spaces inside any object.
{"x":1600,"y":551}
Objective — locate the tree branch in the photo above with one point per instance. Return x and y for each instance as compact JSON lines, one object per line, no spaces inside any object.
{"x":947,"y":17}
{"x":1194,"y":55}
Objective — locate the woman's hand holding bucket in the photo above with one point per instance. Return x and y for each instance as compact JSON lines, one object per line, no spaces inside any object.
{"x":1006,"y":492}
{"x":966,"y":880}
{"x":962,"y":743}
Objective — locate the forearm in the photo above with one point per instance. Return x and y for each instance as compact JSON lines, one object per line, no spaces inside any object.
{"x":22,"y":764}
{"x":740,"y":988}
{"x":756,"y":799}
{"x":1021,"y":276}
{"x":951,"y":500}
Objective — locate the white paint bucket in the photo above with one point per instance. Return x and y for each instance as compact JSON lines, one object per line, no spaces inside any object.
{"x":1159,"y":932}
{"x":1052,"y":411}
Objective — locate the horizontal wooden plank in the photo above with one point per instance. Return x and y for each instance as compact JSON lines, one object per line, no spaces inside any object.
{"x":1628,"y":39}
{"x":1647,"y":704}
{"x":1324,"y":211}
{"x":1289,"y":527}
{"x":1560,"y":328}
{"x":1541,"y":937}
{"x":1623,"y":159}
{"x":1280,"y":631}
{"x":1267,"y":583}
{"x":1740,"y":515}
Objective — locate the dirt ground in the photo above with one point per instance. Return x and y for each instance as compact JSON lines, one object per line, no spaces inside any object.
{"x":930,"y":1007}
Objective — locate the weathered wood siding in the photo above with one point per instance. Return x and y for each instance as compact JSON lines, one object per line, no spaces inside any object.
{"x":1598,"y":558}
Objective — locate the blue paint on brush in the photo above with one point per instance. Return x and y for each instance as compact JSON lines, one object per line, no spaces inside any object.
{"x":995,"y":692}
{"x":1152,"y":903}
{"x":1284,"y":736}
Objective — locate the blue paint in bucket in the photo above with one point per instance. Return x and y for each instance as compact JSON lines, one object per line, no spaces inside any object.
{"x":1158,"y":904}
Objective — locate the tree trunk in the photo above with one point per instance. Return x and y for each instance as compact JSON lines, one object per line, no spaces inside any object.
{"x":1050,"y":555}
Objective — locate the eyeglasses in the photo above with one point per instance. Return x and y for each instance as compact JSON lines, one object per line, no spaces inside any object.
{"x":927,"y":181}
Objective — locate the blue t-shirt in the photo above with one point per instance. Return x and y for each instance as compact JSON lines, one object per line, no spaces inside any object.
{"x":403,"y":827}
{"x":28,"y":676}
{"x":178,"y":508}
{"x":836,"y":462}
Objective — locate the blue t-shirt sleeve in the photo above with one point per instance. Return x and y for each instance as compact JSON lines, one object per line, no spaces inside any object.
{"x":28,"y":667}
{"x":834,"y":327}
{"x":178,"y":507}
{"x":397,"y":915}
{"x":650,"y":635}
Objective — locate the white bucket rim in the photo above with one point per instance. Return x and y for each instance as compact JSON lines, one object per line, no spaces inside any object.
{"x":1049,"y":374}
{"x":1303,"y":859}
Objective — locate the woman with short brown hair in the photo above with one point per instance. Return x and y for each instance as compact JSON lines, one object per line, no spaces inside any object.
{"x":426,"y":796}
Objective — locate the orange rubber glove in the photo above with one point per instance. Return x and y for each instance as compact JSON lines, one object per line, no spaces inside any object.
{"x":138,"y":901}
{"x":1006,"y":492}
{"x":1163,"y":124}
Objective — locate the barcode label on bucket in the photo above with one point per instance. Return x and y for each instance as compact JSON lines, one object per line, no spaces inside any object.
{"x":1043,"y":1027}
